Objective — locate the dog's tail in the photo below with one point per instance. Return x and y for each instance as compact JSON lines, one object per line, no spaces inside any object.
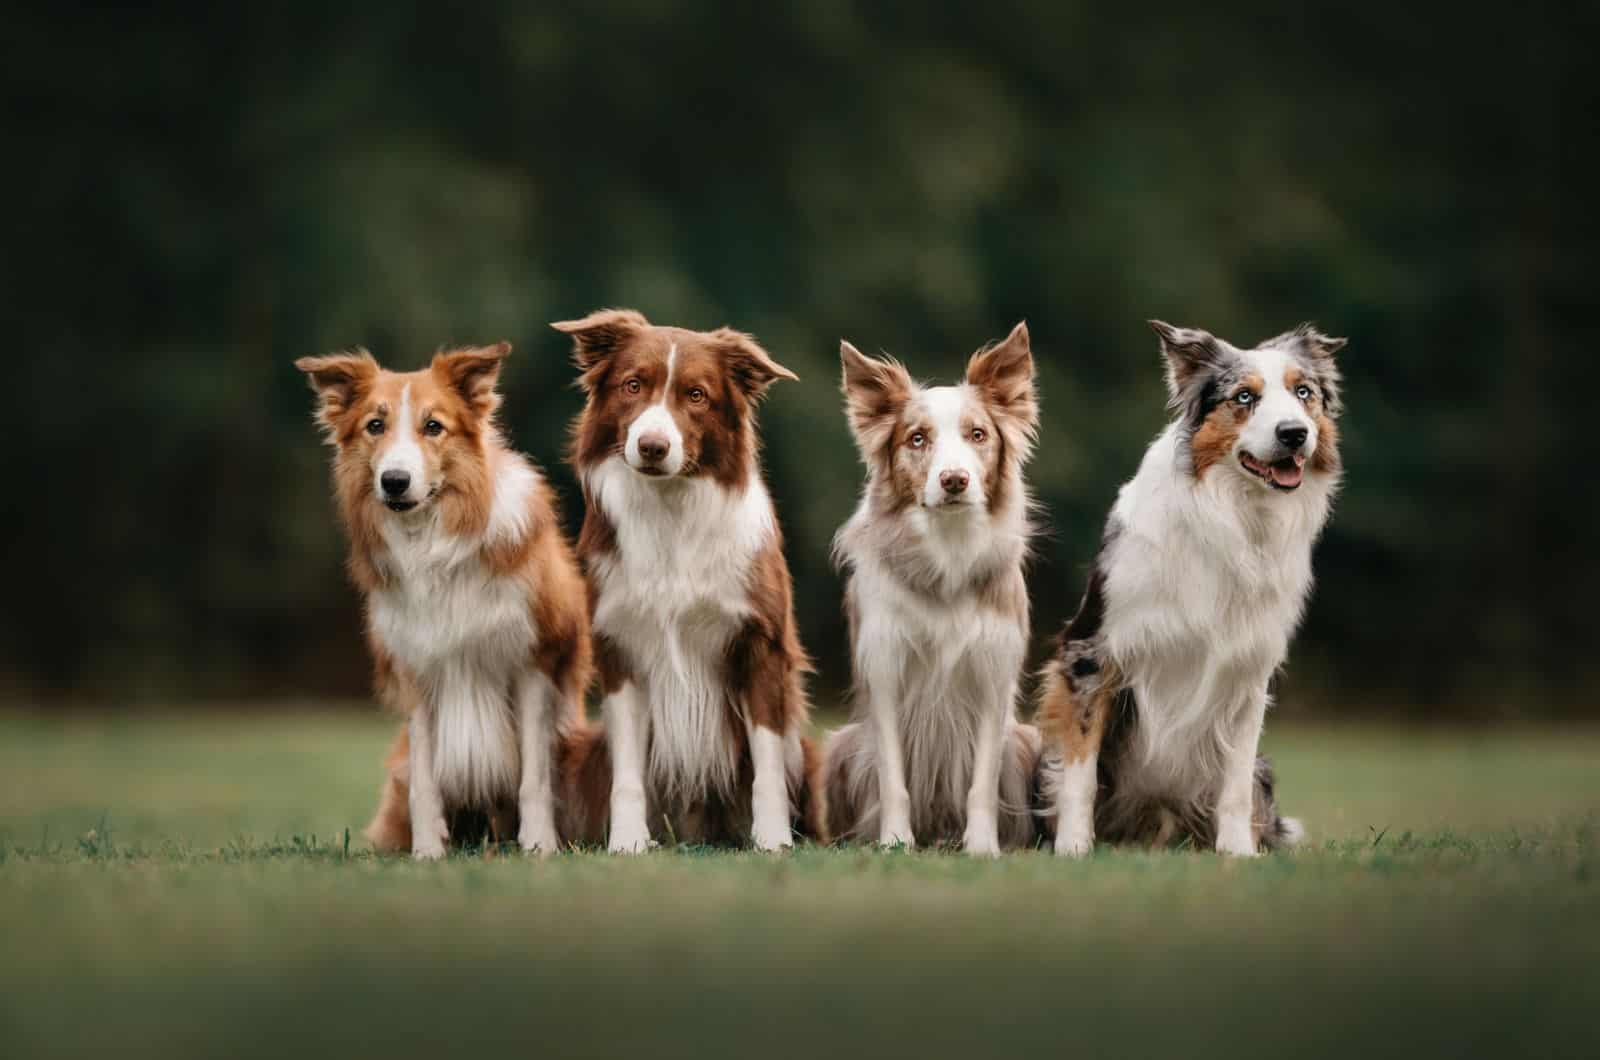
{"x":1277,"y":831}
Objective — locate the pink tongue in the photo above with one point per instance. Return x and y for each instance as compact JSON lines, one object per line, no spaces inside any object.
{"x":1287,"y":474}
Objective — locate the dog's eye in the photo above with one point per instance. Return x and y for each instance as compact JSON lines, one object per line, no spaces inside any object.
{"x":1244,"y":397}
{"x":979,"y":434}
{"x":374,"y":427}
{"x":433,"y":428}
{"x":918,"y":439}
{"x":1303,"y":392}
{"x":696,"y":395}
{"x":633,"y":386}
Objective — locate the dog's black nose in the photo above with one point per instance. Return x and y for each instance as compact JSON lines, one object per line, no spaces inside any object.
{"x":653,"y":447}
{"x":395,"y":483}
{"x":954,"y":482}
{"x":1292,"y":434}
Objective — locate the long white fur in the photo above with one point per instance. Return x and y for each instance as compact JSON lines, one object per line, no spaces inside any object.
{"x":939,"y":675}
{"x":673,"y":594}
{"x":1206,"y":581}
{"x":468,"y":638}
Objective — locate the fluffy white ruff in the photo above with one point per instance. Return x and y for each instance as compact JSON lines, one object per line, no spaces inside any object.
{"x":465,"y":634}
{"x":673,"y":593}
{"x":1205,"y":583}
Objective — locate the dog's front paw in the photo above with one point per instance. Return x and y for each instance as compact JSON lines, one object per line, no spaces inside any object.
{"x":626,"y":839}
{"x":774,"y":835}
{"x":896,"y":834}
{"x":981,"y":844}
{"x":1074,"y":844}
{"x":1236,"y":839}
{"x":423,"y":849}
{"x":540,"y":839}
{"x":428,"y":842}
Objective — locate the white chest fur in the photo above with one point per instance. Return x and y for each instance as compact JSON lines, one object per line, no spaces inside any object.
{"x":672,"y":594}
{"x":1205,"y":585}
{"x":465,"y":633}
{"x":946,"y":665}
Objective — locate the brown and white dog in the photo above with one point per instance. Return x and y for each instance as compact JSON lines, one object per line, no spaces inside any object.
{"x":699,"y":659}
{"x":938,"y":607}
{"x":1154,"y":702}
{"x":477,"y":614}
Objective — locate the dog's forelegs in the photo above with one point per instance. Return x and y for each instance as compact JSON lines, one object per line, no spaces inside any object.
{"x":538,"y":705}
{"x":894,"y":800}
{"x":982,"y":836}
{"x":429,"y":833}
{"x":769,"y":797}
{"x":1078,"y":720}
{"x":627,"y":728}
{"x":1236,"y":799}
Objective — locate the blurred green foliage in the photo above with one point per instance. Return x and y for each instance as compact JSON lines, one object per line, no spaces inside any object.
{"x":197,"y":195}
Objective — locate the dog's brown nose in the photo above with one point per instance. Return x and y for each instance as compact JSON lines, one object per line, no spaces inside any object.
{"x":954,"y":482}
{"x":653,"y":447}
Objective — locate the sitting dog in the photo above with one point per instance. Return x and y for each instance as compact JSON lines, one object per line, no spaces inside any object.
{"x":937,"y":606}
{"x":477,"y":613}
{"x":1153,"y":703}
{"x":698,"y":654}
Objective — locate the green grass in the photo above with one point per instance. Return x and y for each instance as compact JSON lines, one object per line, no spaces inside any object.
{"x":181,"y":886}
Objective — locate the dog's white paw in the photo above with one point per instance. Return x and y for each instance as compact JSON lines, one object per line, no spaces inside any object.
{"x":896,"y":834}
{"x":772,"y":835}
{"x":1235,"y":839}
{"x":541,"y":839}
{"x":983,"y":844}
{"x":428,"y":843}
{"x":426,"y":850}
{"x":1074,"y":844}
{"x":627,"y":839}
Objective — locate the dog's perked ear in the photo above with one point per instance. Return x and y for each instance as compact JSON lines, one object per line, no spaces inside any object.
{"x":749,"y":365}
{"x":596,"y":339}
{"x":1317,"y":350}
{"x":1003,"y":374}
{"x":874,"y":393}
{"x":339,"y":380}
{"x":473,"y":372}
{"x":1191,"y":356}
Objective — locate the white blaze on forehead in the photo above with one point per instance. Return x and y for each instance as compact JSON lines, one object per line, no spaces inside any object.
{"x":952,"y":448}
{"x":1277,"y":405}
{"x":403,"y":453}
{"x":657,"y":419}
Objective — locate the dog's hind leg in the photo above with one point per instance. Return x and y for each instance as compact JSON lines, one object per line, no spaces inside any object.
{"x":1077,"y":697}
{"x":390,"y":830}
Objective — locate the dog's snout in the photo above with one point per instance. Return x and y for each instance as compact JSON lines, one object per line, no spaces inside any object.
{"x":395,"y":483}
{"x":653,"y":447}
{"x":954,"y":482}
{"x":1292,"y":434}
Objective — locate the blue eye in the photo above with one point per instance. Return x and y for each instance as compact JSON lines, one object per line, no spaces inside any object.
{"x":1244,"y":397}
{"x":1303,"y":392}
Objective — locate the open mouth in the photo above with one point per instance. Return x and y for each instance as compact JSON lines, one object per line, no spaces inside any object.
{"x":1285,"y":474}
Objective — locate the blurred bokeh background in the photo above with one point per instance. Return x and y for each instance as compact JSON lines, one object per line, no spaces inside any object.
{"x":195,"y":195}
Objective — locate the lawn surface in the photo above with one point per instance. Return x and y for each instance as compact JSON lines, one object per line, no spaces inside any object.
{"x":181,"y":886}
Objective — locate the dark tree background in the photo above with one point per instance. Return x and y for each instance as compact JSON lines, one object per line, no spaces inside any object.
{"x":194,"y":195}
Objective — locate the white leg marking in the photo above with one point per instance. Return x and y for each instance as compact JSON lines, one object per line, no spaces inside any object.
{"x":627,"y":727}
{"x":769,"y":797}
{"x":1079,"y":783}
{"x":982,"y":838}
{"x":1236,"y":800}
{"x":428,"y":830}
{"x":538,"y":701}
{"x":894,"y":801}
